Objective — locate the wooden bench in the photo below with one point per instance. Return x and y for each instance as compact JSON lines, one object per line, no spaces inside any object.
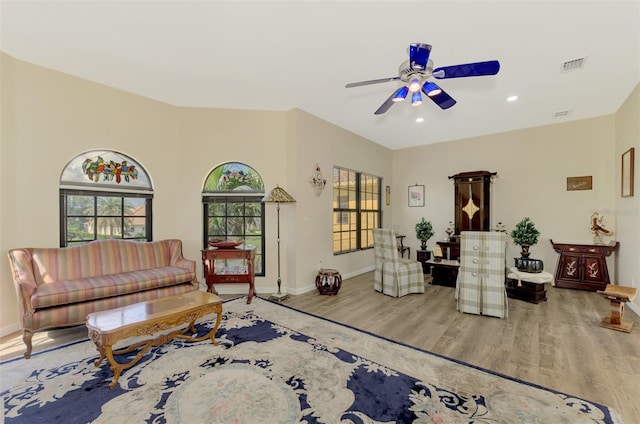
{"x":618,"y":295}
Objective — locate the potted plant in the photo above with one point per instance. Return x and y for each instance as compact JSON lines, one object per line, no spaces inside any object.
{"x":424,"y":231}
{"x":525,"y":234}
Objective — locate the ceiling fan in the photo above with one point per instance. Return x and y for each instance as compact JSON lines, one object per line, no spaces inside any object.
{"x":416,"y":72}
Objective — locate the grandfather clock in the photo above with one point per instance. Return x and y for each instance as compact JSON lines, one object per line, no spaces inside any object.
{"x":472,"y":195}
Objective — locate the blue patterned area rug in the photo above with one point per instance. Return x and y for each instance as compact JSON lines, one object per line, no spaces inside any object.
{"x":277,"y":365}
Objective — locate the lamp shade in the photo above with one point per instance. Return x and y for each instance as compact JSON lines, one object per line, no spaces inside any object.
{"x":278,"y":195}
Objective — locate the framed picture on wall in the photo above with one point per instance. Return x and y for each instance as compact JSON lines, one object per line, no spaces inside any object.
{"x":416,"y":195}
{"x":627,"y":172}
{"x":387,"y":195}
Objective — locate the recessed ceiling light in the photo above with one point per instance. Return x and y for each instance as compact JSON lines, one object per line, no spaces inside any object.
{"x":419,"y":119}
{"x":512,"y":98}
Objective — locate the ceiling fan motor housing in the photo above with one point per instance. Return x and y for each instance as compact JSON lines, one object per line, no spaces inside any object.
{"x":406,"y":73}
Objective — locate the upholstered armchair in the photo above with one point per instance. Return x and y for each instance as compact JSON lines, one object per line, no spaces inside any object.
{"x":480,"y":287}
{"x":394,"y":276}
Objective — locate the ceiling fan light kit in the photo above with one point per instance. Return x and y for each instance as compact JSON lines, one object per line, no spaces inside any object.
{"x":415,"y":74}
{"x":400,"y":95}
{"x":416,"y":99}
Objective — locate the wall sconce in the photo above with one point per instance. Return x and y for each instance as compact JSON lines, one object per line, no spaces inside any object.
{"x":317,"y":181}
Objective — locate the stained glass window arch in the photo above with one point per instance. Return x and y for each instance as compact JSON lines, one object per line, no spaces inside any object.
{"x":104,"y":194}
{"x":233,"y":209}
{"x":105,"y":170}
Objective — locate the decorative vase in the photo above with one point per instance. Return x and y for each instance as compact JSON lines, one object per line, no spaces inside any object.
{"x":423,"y":245}
{"x":525,"y":250}
{"x":529,"y":265}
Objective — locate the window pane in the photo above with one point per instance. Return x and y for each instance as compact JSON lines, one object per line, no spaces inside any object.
{"x":135,"y":206}
{"x":80,"y":229}
{"x":79,"y":205}
{"x":217,"y":209}
{"x":235,"y":228}
{"x":135,"y":227}
{"x":109,"y":227}
{"x":109,"y":206}
{"x":235,"y":209}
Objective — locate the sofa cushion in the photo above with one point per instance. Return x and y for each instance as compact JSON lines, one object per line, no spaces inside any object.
{"x":84,"y":289}
{"x":101,"y":257}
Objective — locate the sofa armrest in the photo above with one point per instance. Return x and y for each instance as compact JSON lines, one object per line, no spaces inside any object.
{"x":177,"y":259}
{"x":23,"y":279}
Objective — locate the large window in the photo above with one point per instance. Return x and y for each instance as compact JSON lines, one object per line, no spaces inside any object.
{"x":233,"y":208}
{"x":104,"y":194}
{"x":98,"y":215}
{"x":356,"y":209}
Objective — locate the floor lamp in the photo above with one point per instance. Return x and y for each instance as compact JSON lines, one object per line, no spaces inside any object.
{"x":278,"y":195}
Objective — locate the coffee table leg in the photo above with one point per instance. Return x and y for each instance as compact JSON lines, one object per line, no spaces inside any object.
{"x":115,"y":367}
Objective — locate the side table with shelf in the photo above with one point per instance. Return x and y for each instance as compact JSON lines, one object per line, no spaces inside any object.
{"x":423,"y":256}
{"x":528,"y":286}
{"x":444,"y":272}
{"x":222,"y":273}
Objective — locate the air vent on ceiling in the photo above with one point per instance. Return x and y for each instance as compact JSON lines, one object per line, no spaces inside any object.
{"x":573,"y":65}
{"x":561,"y":114}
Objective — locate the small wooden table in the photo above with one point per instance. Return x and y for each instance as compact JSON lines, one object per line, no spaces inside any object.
{"x":528,"y":286}
{"x":443,"y":272}
{"x":229,"y":275}
{"x":106,"y":328}
{"x":618,"y":295}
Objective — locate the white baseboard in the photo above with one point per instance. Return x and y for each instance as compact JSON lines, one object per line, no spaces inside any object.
{"x":241,"y":289}
{"x":10,"y":329}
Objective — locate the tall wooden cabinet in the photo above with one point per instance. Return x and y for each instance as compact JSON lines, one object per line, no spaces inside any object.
{"x":583,"y":266}
{"x":472,"y":201}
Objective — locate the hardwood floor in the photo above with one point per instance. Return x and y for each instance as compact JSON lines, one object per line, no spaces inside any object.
{"x":557,"y":344}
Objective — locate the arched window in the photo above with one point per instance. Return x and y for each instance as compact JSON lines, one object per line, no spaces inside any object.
{"x":104,"y":194}
{"x":233,"y":208}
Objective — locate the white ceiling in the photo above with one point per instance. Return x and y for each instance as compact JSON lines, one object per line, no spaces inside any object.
{"x":279,"y":55}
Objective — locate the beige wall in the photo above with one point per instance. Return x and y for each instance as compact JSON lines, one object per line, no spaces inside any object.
{"x":532,"y":167}
{"x":627,"y":209}
{"x":322,"y":143}
{"x":49,"y":117}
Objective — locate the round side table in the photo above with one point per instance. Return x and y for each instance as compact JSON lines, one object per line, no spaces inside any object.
{"x":328,"y":281}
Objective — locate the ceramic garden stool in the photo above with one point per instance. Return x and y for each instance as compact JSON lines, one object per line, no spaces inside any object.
{"x":618,"y":295}
{"x":328,"y":281}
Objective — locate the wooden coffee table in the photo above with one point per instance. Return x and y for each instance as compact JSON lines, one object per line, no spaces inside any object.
{"x":106,"y":328}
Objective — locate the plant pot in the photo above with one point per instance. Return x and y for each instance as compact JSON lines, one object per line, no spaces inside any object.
{"x":423,"y":245}
{"x":525,"y":250}
{"x":533,"y":266}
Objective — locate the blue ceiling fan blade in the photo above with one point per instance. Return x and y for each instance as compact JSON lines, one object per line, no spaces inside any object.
{"x":442,"y":99}
{"x":389,"y":102}
{"x":476,"y":69}
{"x":419,"y":56}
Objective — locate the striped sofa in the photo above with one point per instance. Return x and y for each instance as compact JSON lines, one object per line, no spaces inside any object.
{"x":58,"y":287}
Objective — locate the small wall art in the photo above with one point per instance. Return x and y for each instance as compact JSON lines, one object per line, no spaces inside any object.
{"x":579,"y":183}
{"x":416,"y":195}
{"x":627,"y":172}
{"x":387,"y":195}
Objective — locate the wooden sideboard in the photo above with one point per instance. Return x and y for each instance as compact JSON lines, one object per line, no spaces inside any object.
{"x":222,"y":273}
{"x":583,"y":266}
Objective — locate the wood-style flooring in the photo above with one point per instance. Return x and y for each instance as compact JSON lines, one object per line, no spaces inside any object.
{"x":556,"y":344}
